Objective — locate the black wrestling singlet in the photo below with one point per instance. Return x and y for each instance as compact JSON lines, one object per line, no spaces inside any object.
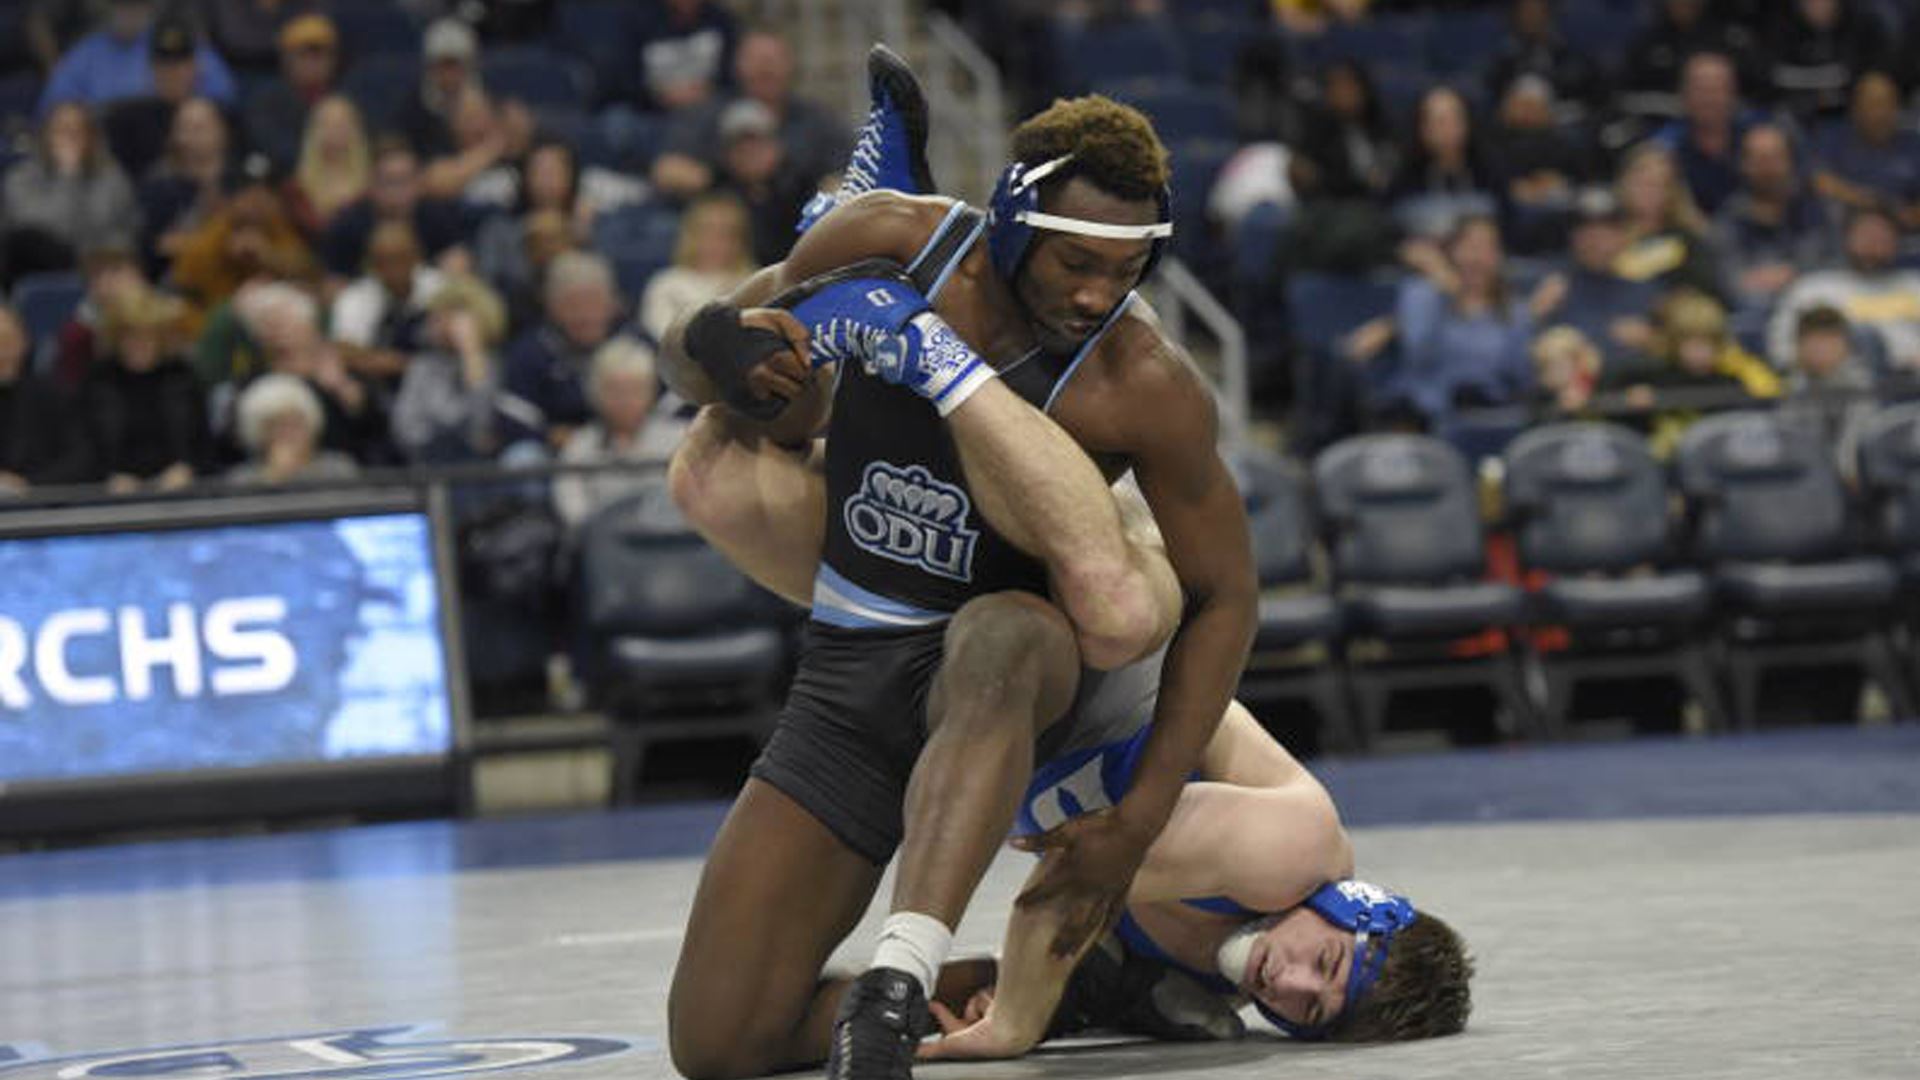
{"x":905,"y":546}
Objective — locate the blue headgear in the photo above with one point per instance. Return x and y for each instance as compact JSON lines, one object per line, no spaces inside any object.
{"x":1014,"y":212}
{"x":1374,"y":916}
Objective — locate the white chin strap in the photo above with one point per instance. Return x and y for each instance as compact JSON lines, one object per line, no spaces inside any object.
{"x":1080,"y":226}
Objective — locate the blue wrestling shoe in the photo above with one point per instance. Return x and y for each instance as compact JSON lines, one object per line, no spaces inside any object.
{"x":891,"y":151}
{"x":871,"y":313}
{"x":881,"y":1021}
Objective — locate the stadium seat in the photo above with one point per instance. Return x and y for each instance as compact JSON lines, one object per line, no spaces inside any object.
{"x":374,"y":27}
{"x":1296,"y":613}
{"x":597,"y":33}
{"x":1587,"y":503}
{"x":380,"y":85}
{"x":1888,"y":459}
{"x":685,"y":646}
{"x":1383,"y":42}
{"x":1401,"y":515}
{"x":1196,"y":162}
{"x":1461,"y":42}
{"x":1117,"y":53}
{"x":19,"y":98}
{"x":45,"y":302}
{"x":1180,"y":111}
{"x":1772,"y":523}
{"x":639,"y":240}
{"x":539,"y":77}
{"x":1212,"y":45}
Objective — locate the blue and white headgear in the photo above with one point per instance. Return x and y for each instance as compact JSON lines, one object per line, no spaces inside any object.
{"x":1014,"y":213}
{"x":1373,"y":915}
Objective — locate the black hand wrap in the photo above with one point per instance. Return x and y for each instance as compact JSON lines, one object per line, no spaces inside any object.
{"x":726,"y":350}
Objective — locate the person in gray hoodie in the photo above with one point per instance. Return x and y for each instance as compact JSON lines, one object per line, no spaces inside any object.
{"x":68,"y":197}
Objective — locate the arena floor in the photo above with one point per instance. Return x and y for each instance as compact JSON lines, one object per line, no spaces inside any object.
{"x":1657,"y":908}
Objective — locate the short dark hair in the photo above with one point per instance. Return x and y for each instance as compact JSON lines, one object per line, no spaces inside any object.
{"x":1817,"y":319}
{"x":1422,"y":991}
{"x":1113,"y":146}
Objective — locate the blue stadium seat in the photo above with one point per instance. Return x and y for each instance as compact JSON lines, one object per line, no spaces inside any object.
{"x":1212,"y":43}
{"x":1180,"y":111}
{"x":1116,"y":53}
{"x":1383,"y":41}
{"x":380,"y":85}
{"x":19,"y":99}
{"x":638,"y":240}
{"x":45,"y":302}
{"x":1328,"y":307}
{"x":537,"y":76}
{"x":597,"y":32}
{"x":374,"y":27}
{"x":1196,"y":162}
{"x":1602,"y":32}
{"x":1462,"y":42}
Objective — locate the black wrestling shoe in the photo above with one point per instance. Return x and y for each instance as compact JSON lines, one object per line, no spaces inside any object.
{"x":1115,"y":990}
{"x":881,"y":1021}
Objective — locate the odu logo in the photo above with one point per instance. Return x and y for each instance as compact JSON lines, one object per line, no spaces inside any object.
{"x":905,"y":515}
{"x":342,"y":1054}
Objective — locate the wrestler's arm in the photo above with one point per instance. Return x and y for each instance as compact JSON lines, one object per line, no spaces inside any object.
{"x":880,"y":224}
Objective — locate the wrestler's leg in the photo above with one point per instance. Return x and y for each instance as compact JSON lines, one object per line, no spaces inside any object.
{"x":761,"y":503}
{"x":1008,"y":670}
{"x":779,"y":892}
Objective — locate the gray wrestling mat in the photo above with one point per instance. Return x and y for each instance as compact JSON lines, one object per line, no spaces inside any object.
{"x":1736,"y":947}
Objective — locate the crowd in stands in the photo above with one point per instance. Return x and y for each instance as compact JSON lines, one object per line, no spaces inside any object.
{"x":1428,"y":213}
{"x":267,"y":241}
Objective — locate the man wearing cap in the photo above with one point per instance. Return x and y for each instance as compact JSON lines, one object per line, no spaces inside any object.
{"x":450,"y":58}
{"x":1611,"y":311}
{"x":755,"y":167}
{"x":276,"y":114}
{"x":811,"y":136}
{"x":120,"y":61}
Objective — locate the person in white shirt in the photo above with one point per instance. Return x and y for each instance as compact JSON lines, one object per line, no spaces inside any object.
{"x":373,"y":315}
{"x":1870,"y":291}
{"x":627,"y":428}
{"x":713,"y":254}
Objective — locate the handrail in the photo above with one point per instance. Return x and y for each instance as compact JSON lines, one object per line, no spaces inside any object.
{"x":1190,"y":294}
{"x":952,"y":47}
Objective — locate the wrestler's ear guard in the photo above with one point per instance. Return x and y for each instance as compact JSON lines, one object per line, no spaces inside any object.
{"x":1013,"y":213}
{"x":1373,"y":915}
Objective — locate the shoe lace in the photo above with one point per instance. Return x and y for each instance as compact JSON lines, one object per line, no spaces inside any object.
{"x":863,"y":167}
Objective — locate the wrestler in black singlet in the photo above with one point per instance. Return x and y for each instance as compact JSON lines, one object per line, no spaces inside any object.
{"x":905,"y":549}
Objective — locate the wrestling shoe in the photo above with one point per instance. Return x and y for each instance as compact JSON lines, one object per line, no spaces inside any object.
{"x":891,"y":149}
{"x":881,"y":1021}
{"x":1112,"y":989}
{"x":870,"y":313}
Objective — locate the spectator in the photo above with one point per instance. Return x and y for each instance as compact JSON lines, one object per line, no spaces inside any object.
{"x":137,"y":128}
{"x":276,"y":112}
{"x":1443,"y":174}
{"x":250,"y":33}
{"x":1538,"y":167}
{"x":38,"y":442}
{"x":1819,"y":47}
{"x":1566,"y":370}
{"x":1705,"y":140}
{"x":1681,"y":29}
{"x":280,"y":424}
{"x":283,"y":321}
{"x":394,"y":196}
{"x":112,"y":274}
{"x":451,"y":405}
{"x":1462,"y":340}
{"x":142,"y":411}
{"x":451,"y":54}
{"x":1830,"y":385}
{"x":685,"y":51}
{"x":377,"y":318}
{"x":1703,"y":367}
{"x":187,"y":186}
{"x":1340,"y":172}
{"x":1871,"y":158}
{"x":251,"y":236}
{"x":68,"y":197}
{"x":712,"y":255}
{"x":1773,"y":226}
{"x":1609,"y":311}
{"x":335,"y":168}
{"x":547,"y":367}
{"x":542,"y":236}
{"x":758,"y":173}
{"x":1666,"y":233}
{"x":116,"y":62}
{"x":490,"y":139}
{"x":1534,"y":46}
{"x":508,"y":249}
{"x":626,"y":429}
{"x":1869,"y":291}
{"x":811,"y":136}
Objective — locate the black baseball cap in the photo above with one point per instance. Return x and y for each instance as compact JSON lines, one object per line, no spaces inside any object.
{"x":172,"y":40}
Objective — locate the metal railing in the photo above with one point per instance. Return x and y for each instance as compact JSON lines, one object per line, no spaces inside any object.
{"x":1182,"y":300}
